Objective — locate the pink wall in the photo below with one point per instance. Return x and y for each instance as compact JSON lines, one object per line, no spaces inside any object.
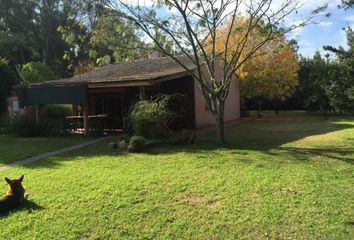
{"x":204,"y":118}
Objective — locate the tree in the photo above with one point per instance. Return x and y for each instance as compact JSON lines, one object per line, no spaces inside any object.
{"x":17,"y":35}
{"x":314,"y":81}
{"x":104,"y":39}
{"x":272,"y":73}
{"x":191,"y":23}
{"x":341,"y":91}
{"x":7,"y":80}
{"x":28,"y":31}
{"x":116,"y":37}
{"x":34,"y":72}
{"x":347,"y":4}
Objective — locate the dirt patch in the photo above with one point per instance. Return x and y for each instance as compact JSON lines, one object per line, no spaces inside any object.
{"x":196,"y":199}
{"x":214,"y":204}
{"x":193,"y":198}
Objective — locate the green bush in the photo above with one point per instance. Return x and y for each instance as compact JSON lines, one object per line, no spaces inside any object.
{"x":57,"y":111}
{"x":56,"y":126}
{"x":34,"y":72}
{"x":95,"y":128}
{"x":149,"y":117}
{"x":26,"y":126}
{"x":6,"y":125}
{"x":137,"y":144}
{"x":54,"y":118}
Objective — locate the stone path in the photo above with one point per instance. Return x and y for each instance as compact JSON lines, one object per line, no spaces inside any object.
{"x":49,"y":154}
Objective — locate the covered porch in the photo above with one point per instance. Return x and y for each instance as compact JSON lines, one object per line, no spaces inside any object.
{"x":106,"y":94}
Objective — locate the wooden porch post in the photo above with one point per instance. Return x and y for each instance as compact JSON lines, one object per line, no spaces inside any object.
{"x":141,"y":93}
{"x":38,"y":117}
{"x":85,"y":111}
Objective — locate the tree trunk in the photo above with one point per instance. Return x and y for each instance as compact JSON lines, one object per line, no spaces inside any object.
{"x":219,"y":121}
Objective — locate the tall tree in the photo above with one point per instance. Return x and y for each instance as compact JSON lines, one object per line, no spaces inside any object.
{"x":7,"y":80}
{"x":190,"y":24}
{"x":104,"y":39}
{"x":272,"y":72}
{"x":341,"y":91}
{"x":314,"y":81}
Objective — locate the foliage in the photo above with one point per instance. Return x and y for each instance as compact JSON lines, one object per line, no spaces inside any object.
{"x":54,"y":119}
{"x":28,"y":32}
{"x":83,"y":68}
{"x":105,"y":39}
{"x":64,"y":34}
{"x":137,"y":144}
{"x":314,"y":80}
{"x":192,"y":27}
{"x":56,"y":126}
{"x":341,"y":90}
{"x":272,"y":73}
{"x":149,"y":117}
{"x":34,"y":72}
{"x":347,"y":4}
{"x":95,"y":128}
{"x":115,"y":37}
{"x":57,"y":110}
{"x":327,"y":84}
{"x":7,"y":80}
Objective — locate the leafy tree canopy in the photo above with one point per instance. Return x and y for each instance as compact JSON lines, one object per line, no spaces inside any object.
{"x":34,"y":72}
{"x":7,"y":80}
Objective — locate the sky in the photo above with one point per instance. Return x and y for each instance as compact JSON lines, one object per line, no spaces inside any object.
{"x":329,"y":31}
{"x":312,"y":38}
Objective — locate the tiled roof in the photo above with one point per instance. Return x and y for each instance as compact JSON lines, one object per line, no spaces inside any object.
{"x":141,"y":70}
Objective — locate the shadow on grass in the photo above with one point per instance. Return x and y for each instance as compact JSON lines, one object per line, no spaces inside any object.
{"x":27,"y":206}
{"x":269,"y":137}
{"x":344,"y":155}
{"x":264,"y":135}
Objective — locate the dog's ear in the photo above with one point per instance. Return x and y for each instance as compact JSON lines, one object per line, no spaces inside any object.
{"x":8,"y":180}
{"x":21,"y":178}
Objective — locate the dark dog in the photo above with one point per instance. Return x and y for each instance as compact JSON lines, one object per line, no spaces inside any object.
{"x":14,"y":196}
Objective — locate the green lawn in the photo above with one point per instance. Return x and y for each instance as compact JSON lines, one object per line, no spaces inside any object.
{"x":286,"y":177}
{"x":16,"y":148}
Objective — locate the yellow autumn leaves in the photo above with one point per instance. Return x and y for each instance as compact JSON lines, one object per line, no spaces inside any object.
{"x":272,"y":71}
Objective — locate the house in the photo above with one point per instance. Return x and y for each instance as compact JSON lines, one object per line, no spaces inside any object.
{"x":109,"y":92}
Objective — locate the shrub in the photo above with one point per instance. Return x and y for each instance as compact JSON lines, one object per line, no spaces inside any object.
{"x":95,"y":128}
{"x":56,"y":126}
{"x":149,"y":117}
{"x":57,"y":111}
{"x":6,"y":125}
{"x":54,"y":118}
{"x":26,"y":126}
{"x":137,"y":144}
{"x":33,"y":72}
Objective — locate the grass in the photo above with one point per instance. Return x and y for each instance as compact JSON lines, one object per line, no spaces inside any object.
{"x":16,"y":148}
{"x":285,"y":177}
